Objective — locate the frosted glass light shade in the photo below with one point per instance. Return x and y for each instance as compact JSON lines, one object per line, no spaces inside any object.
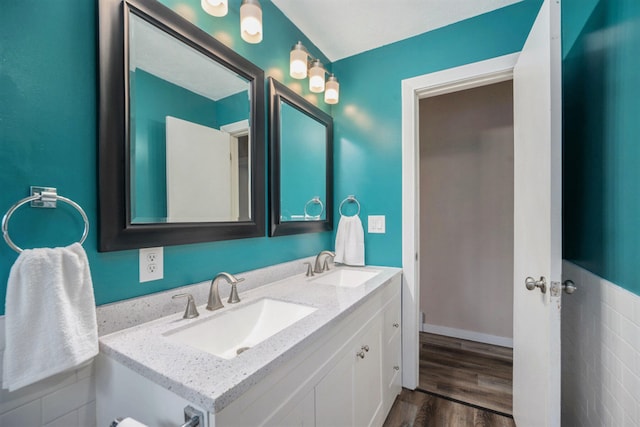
{"x":316,"y":77}
{"x":215,"y":7}
{"x":251,"y":21}
{"x":332,"y":90}
{"x":298,"y":62}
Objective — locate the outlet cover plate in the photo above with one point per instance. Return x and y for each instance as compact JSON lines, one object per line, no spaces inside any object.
{"x":377,"y":224}
{"x":151,"y":264}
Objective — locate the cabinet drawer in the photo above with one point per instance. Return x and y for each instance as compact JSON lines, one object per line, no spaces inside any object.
{"x":392,"y":365}
{"x":392,"y":372}
{"x":392,"y":319}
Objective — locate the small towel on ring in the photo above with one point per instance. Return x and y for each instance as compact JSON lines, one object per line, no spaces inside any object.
{"x":350,"y":241}
{"x":50,"y":315}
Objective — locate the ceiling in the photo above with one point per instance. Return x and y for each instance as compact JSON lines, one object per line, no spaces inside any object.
{"x":342,"y":28}
{"x":164,"y":56}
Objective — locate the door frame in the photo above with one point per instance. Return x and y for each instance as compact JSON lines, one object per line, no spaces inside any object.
{"x":467,"y":76}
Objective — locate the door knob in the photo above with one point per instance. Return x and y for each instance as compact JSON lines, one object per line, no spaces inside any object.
{"x":569,"y":287}
{"x":532,"y":283}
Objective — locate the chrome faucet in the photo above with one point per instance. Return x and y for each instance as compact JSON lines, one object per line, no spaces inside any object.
{"x":214,"y":302}
{"x":318,"y":267}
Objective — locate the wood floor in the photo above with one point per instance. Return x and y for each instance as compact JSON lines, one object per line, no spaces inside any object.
{"x":458,"y":379}
{"x":476,"y":373}
{"x":420,"y":409}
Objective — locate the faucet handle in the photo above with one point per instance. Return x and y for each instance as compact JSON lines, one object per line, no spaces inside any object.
{"x":191,"y":311}
{"x":233,"y":296}
{"x":309,"y":269}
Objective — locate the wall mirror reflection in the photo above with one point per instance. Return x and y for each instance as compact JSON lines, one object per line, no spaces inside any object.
{"x":301,"y":164}
{"x":182,"y":103}
{"x":181,"y":132}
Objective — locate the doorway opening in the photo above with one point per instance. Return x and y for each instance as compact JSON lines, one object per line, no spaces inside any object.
{"x":466,"y":186}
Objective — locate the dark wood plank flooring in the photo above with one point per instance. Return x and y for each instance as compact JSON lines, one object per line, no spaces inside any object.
{"x":419,"y":409}
{"x":467,"y":371}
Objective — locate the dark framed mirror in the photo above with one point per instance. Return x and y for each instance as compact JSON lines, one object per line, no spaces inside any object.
{"x":181,"y":132}
{"x":300,"y":164}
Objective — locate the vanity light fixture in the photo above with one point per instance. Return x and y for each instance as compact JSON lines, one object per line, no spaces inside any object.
{"x":332,"y":90}
{"x":215,"y":7}
{"x":316,"y":76}
{"x":298,"y":61}
{"x":302,"y":64}
{"x":251,"y":21}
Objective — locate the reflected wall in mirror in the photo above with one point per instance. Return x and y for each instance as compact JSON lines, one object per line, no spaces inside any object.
{"x":181,"y":132}
{"x":301,"y":164}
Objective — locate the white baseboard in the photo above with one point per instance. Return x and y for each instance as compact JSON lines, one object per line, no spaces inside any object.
{"x":468,"y":335}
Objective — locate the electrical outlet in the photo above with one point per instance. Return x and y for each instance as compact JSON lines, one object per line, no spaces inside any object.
{"x":151,"y":264}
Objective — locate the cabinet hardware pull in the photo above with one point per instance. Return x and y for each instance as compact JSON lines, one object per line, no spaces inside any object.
{"x":360,"y":354}
{"x":365,"y":348}
{"x":396,"y":325}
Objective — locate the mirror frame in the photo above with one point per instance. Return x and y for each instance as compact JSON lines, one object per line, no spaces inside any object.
{"x":116,"y":230}
{"x":278,"y":93}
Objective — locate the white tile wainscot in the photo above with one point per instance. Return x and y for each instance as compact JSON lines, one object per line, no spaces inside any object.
{"x":352,"y":340}
{"x":600,"y":352}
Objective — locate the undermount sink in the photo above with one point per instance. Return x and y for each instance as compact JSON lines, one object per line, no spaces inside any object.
{"x":346,"y":278}
{"x":235,"y":331}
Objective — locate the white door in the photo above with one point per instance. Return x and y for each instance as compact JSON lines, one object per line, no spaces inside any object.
{"x":202,"y":178}
{"x":537,"y":222}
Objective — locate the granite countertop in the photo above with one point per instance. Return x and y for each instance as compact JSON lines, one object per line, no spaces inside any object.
{"x":212,"y":382}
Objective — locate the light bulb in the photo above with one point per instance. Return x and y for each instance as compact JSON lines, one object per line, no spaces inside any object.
{"x":316,"y":77}
{"x":251,"y":21}
{"x":332,"y":91}
{"x":215,"y":7}
{"x":298,"y":62}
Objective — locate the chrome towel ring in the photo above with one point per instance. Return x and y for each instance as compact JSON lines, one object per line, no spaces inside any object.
{"x":316,"y":200}
{"x":41,"y":197}
{"x":349,"y":199}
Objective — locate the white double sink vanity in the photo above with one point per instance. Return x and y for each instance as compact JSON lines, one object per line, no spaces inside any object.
{"x":304,"y":351}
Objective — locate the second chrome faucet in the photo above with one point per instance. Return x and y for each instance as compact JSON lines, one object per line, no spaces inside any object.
{"x":319,"y":267}
{"x":214,"y":302}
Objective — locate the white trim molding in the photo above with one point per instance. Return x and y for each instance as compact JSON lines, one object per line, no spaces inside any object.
{"x":464,"y":334}
{"x":467,"y":76}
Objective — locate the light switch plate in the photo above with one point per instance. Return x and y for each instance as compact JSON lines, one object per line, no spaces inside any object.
{"x":151,"y":264}
{"x":376,"y":224}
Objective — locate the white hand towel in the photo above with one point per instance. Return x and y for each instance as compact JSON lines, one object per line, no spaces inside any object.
{"x":50,"y":321}
{"x":350,"y":241}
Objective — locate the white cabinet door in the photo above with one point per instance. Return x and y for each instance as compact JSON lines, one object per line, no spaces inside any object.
{"x":302,"y":415}
{"x":334,"y":394}
{"x":351,"y":394}
{"x":367,"y":388}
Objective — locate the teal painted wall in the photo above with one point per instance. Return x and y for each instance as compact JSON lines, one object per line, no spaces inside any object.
{"x":601,"y":93}
{"x":368,"y":118}
{"x":233,"y":108}
{"x":303,"y":155}
{"x":48,"y":136}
